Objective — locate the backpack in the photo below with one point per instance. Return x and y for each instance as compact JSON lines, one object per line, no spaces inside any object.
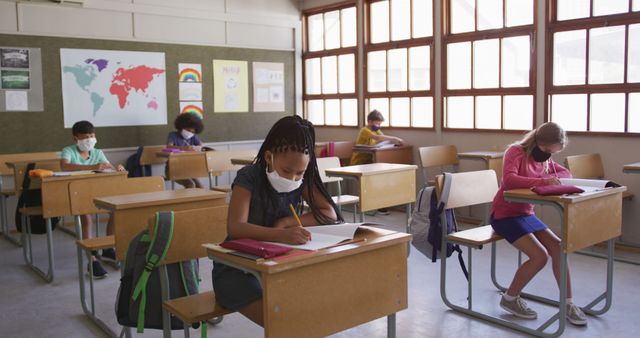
{"x":32,"y":198}
{"x":139,"y":299}
{"x":426,"y":227}
{"x":133,"y":166}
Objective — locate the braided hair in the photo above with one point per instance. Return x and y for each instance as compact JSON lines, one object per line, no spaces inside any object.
{"x":292,"y":133}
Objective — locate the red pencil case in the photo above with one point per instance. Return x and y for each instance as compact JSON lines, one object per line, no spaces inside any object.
{"x":256,"y":248}
{"x":556,"y":189}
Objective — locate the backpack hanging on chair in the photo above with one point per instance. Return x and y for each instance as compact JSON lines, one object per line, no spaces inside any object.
{"x":32,"y":198}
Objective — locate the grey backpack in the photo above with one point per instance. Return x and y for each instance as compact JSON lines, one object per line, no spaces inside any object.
{"x":139,"y":300}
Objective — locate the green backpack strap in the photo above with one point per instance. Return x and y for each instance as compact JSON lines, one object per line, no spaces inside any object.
{"x":162,"y":236}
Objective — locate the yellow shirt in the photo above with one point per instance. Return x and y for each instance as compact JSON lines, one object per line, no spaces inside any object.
{"x":364,"y":137}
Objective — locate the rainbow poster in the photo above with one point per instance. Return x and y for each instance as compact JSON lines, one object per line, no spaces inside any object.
{"x":192,"y":107}
{"x":189,"y":72}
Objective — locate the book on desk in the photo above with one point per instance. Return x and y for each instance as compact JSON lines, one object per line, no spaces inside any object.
{"x":379,"y":145}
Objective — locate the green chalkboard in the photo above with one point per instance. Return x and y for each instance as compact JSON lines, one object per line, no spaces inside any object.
{"x":44,"y":131}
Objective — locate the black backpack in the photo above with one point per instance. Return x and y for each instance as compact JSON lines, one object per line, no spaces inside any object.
{"x":133,"y":166}
{"x":32,"y":198}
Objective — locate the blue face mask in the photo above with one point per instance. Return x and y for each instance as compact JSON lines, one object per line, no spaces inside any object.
{"x":375,"y":128}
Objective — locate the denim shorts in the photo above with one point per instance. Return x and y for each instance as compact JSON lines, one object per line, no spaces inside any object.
{"x":512,"y":228}
{"x":234,"y":288}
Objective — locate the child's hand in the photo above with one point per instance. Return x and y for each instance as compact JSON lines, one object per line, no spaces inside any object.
{"x":102,"y":166}
{"x":552,"y":181}
{"x":295,"y":235}
{"x":120,"y":168}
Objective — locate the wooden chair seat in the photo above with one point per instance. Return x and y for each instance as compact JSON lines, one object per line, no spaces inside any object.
{"x":31,"y":211}
{"x":223,"y":188}
{"x":627,"y":195}
{"x":8,"y":192}
{"x":92,"y":244}
{"x":476,"y":237}
{"x":345,"y":199}
{"x":195,"y":308}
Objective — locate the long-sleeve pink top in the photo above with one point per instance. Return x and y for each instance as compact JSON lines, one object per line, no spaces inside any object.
{"x":522,"y":171}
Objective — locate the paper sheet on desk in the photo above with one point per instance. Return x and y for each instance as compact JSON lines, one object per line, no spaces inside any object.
{"x":73,"y":173}
{"x":588,"y":185}
{"x":323,"y":236}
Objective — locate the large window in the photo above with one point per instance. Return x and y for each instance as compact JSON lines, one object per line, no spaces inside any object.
{"x":489,"y":55}
{"x":399,"y":62}
{"x":330,"y":66}
{"x":593,"y":65}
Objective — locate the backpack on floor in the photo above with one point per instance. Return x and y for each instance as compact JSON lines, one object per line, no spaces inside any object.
{"x":32,"y":198}
{"x":139,"y":300}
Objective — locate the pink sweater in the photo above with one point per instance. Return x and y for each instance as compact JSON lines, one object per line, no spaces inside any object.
{"x":521,"y":171}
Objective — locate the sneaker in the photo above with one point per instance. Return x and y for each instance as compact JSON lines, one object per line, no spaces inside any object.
{"x":519,"y":308}
{"x":575,"y":315}
{"x":383,"y":211}
{"x":98,"y":271}
{"x":108,"y":255}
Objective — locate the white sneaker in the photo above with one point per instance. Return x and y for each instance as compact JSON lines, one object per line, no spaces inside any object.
{"x":575,"y":315}
{"x":519,"y":308}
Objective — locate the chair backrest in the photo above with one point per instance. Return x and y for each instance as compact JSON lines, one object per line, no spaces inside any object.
{"x":221,"y":160}
{"x":436,"y":156}
{"x":149,"y":156}
{"x":343,"y":150}
{"x":82,"y":192}
{"x":19,"y":171}
{"x":327,"y":163}
{"x":467,"y":188}
{"x":184,"y":166}
{"x":193,"y":228}
{"x":585,"y":166}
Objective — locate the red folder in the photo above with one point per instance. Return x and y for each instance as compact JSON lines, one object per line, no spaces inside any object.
{"x":556,"y":189}
{"x":256,"y":248}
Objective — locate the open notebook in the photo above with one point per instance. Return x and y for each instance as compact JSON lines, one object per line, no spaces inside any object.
{"x":323,"y":236}
{"x":379,"y":145}
{"x":589,"y":185}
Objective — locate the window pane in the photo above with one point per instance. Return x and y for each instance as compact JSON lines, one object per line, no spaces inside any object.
{"x":422,"y":18}
{"x":462,"y":16}
{"x":332,"y":112}
{"x":400,"y":19}
{"x":348,"y":21}
{"x":515,"y":61}
{"x":379,"y":23}
{"x":488,"y":112}
{"x":570,"y":111}
{"x":459,"y":112}
{"x":519,"y":12}
{"x":573,"y":9}
{"x":485,"y":63}
{"x":332,"y":30}
{"x":329,"y":75}
{"x":315,"y":111}
{"x":634,"y":113}
{"x":312,"y":76}
{"x":346,"y":64}
{"x":606,"y":7}
{"x":633,"y":59}
{"x":607,"y":112}
{"x":316,"y":32}
{"x":489,"y":14}
{"x":569,"y":53}
{"x":382,"y":105}
{"x":350,"y":112}
{"x":518,"y":112}
{"x":397,"y":69}
{"x":400,"y":110}
{"x":377,"y":71}
{"x":459,"y":65}
{"x":606,"y":55}
{"x":422,"y":112}
{"x":419,"y":68}
{"x":636,"y":5}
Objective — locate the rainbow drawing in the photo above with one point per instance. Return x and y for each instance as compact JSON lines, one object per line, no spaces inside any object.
{"x":189,"y":75}
{"x":192,"y":109}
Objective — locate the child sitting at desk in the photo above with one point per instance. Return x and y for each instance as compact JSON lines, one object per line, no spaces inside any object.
{"x":527,"y":164}
{"x":84,"y":156}
{"x":370,"y":135}
{"x":284,"y":174}
{"x":185,"y":138}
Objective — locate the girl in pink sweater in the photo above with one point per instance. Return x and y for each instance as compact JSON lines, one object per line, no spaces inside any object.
{"x":527,"y":163}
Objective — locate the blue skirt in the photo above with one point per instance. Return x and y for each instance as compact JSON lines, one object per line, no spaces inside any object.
{"x":512,"y":228}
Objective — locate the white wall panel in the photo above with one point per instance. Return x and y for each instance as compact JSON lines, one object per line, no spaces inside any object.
{"x":214,"y":5}
{"x":180,"y":30}
{"x":307,"y":4}
{"x":264,"y":7}
{"x":8,"y":18}
{"x":239,"y":34}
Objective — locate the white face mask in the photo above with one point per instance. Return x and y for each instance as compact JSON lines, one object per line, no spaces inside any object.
{"x":186,"y":134}
{"x":86,"y":144}
{"x":281,"y":184}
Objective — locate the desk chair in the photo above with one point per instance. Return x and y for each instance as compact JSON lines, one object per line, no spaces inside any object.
{"x":149,"y":157}
{"x":437,"y":156}
{"x":589,"y":166}
{"x":182,"y":166}
{"x":343,"y":151}
{"x":220,"y":161}
{"x":340,"y":200}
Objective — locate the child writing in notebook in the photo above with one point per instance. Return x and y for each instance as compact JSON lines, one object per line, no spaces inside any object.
{"x":185,"y":138}
{"x":285,"y":172}
{"x":84,"y":156}
{"x":527,"y":163}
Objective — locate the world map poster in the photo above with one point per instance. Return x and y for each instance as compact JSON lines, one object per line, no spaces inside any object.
{"x":113,"y":88}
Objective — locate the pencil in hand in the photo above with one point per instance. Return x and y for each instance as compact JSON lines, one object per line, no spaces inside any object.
{"x":295,"y":215}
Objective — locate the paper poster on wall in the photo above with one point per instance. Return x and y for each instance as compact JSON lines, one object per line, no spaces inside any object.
{"x":16,"y":100}
{"x":189,"y":72}
{"x":268,"y":86}
{"x":192,"y":107}
{"x":190,"y":91}
{"x":21,"y":79}
{"x":14,"y":58}
{"x":113,"y":88}
{"x":15,"y":79}
{"x":230,"y":86}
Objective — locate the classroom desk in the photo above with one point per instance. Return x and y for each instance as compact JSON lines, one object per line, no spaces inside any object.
{"x":399,"y":154}
{"x":130,"y":212}
{"x":327,"y":291}
{"x":242,"y":160}
{"x":586,"y":219}
{"x":492,"y":159}
{"x":632,"y":168}
{"x":381,"y":185}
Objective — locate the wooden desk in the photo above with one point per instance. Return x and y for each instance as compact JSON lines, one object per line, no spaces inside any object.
{"x":632,"y":168}
{"x":400,"y":154}
{"x":242,"y":160}
{"x":130,"y":212}
{"x":327,"y":291}
{"x":492,"y":159}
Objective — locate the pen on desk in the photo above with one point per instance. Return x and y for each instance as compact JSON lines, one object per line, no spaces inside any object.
{"x":295,"y":215}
